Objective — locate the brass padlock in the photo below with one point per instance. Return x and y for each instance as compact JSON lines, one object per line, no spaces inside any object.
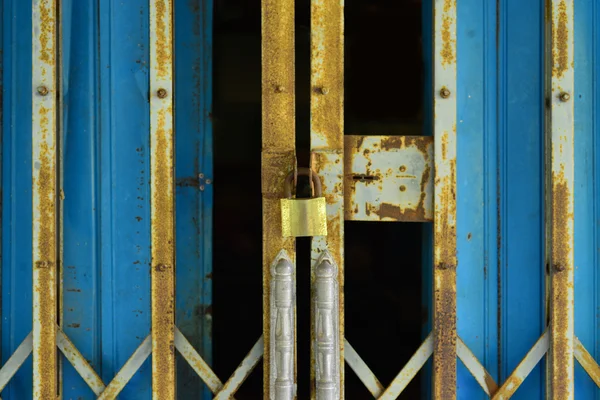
{"x":303,"y":217}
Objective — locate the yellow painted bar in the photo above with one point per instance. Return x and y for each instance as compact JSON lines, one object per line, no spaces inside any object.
{"x":278,"y":148}
{"x":327,"y":147}
{"x":44,"y":196}
{"x":561,"y":165}
{"x":162,"y":200}
{"x":445,"y":260}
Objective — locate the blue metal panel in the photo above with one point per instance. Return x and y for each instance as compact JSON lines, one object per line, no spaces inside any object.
{"x":16,"y":191}
{"x":124,"y":188}
{"x":477,"y":277}
{"x":193,"y":130}
{"x":587,"y":168}
{"x":80,"y":144}
{"x":521,"y":115}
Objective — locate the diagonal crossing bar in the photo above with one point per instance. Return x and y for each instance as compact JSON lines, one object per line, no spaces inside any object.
{"x":562,"y":162}
{"x":445,"y":260}
{"x":410,"y":370}
{"x":128,"y":370}
{"x":79,"y":362}
{"x":242,"y":372}
{"x":44,"y":233}
{"x":162,"y":200}
{"x":15,"y":361}
{"x":587,"y":361}
{"x":278,"y":151}
{"x":197,"y":363}
{"x":362,"y":370}
{"x":485,"y":380}
{"x":533,"y":357}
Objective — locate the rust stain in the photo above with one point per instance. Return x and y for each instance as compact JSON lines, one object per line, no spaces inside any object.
{"x":278,"y":144}
{"x":561,"y":356}
{"x":444,"y":325}
{"x":560,"y":34}
{"x":47,"y":9}
{"x":164,"y":38}
{"x":163,"y":257}
{"x":509,"y":387}
{"x":44,"y":254}
{"x":447,"y":53}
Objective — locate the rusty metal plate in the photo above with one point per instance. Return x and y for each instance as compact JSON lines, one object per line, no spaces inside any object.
{"x":388,"y":178}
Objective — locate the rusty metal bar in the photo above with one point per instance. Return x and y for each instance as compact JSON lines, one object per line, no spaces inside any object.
{"x":327,"y":146}
{"x":44,"y":180}
{"x":445,"y":260}
{"x":587,"y":361}
{"x":362,"y":370}
{"x":562,"y":163}
{"x":410,"y":370}
{"x":533,"y":357}
{"x":129,"y":369}
{"x":388,"y":178}
{"x":278,"y":150}
{"x":481,"y":375}
{"x":81,"y":365}
{"x":162,"y":200}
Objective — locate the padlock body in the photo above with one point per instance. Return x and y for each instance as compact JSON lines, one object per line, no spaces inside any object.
{"x":303,"y":217}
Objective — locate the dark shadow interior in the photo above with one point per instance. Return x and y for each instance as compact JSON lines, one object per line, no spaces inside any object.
{"x":384,"y":95}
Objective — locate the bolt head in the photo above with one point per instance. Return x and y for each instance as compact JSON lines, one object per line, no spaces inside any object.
{"x":279,"y":89}
{"x":445,"y":93}
{"x":564,"y":97}
{"x":42,"y":90}
{"x":161,"y":93}
{"x":324,"y":90}
{"x":402,"y":188}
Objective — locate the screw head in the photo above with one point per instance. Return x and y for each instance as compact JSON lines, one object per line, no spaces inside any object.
{"x":324,"y":90}
{"x":42,"y":90}
{"x":161,"y":93}
{"x":564,"y":97}
{"x":402,"y":168}
{"x":201,"y":187}
{"x":208,"y":181}
{"x":402,"y":188}
{"x":445,"y":93}
{"x":280,"y":89}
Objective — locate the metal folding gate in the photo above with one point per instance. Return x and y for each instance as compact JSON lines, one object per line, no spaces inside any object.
{"x":67,"y":195}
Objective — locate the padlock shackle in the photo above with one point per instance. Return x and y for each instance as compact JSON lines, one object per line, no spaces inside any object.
{"x":287,"y":185}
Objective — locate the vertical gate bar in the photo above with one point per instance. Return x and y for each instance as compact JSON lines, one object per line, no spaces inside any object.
{"x":562,"y":163}
{"x":278,"y":152}
{"x":162,"y":200}
{"x":327,"y":147}
{"x":44,"y":235}
{"x":444,"y":259}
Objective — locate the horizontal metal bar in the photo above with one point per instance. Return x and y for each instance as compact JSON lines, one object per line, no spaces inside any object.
{"x":242,"y":372}
{"x":485,"y":380}
{"x":388,"y":178}
{"x":587,"y":361}
{"x":533,"y":357}
{"x":362,"y":370}
{"x":128,"y":370}
{"x":410,"y":370}
{"x":15,"y":361}
{"x":197,"y":362}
